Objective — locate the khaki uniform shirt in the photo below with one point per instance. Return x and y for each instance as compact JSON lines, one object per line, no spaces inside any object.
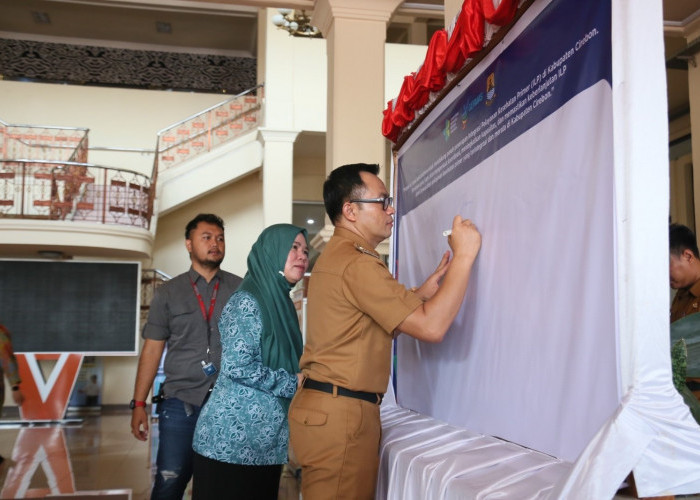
{"x":354,"y":305}
{"x":686,"y":302}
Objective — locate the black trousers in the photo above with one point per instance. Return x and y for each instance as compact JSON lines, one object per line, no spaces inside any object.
{"x":214,"y":480}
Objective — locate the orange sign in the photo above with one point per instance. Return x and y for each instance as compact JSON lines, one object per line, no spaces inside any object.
{"x":36,"y":448}
{"x":47,"y":399}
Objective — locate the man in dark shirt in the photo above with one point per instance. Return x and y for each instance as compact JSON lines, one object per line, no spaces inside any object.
{"x":684,"y":271}
{"x":184,"y":313}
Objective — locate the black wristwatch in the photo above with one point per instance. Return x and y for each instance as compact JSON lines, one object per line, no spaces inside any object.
{"x":136,"y":404}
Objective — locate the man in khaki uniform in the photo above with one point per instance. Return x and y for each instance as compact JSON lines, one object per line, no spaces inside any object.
{"x":354,"y":307}
{"x":684,"y":271}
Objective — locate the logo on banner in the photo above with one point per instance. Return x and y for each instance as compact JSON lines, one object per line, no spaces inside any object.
{"x":464,"y":115}
{"x":450,"y":126}
{"x":490,"y":89}
{"x":446,"y":132}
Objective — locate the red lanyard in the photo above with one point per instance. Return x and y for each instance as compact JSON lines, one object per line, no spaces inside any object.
{"x":212,"y":302}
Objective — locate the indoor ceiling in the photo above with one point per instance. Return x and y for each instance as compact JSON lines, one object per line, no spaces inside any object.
{"x":229,"y":27}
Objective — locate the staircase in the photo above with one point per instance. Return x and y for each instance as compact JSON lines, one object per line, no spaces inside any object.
{"x":44,"y":172}
{"x":208,"y":150}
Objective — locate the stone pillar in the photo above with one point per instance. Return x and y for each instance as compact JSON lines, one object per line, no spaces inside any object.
{"x":452,"y":8}
{"x":418,"y":33}
{"x":355,"y":31}
{"x":277,"y":174}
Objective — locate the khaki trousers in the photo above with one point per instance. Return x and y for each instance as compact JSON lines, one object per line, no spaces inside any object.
{"x":335,"y":439}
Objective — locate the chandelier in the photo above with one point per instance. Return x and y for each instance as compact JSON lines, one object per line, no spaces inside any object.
{"x":296,"y":23}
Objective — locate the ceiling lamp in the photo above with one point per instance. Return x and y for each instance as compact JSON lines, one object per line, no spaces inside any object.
{"x":296,"y":23}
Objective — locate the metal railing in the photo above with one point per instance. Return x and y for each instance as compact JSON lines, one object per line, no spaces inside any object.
{"x":43,"y":142}
{"x":44,"y":172}
{"x":207,"y":129}
{"x":73,"y":191}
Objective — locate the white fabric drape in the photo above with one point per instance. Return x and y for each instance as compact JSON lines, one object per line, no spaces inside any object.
{"x":563,"y":343}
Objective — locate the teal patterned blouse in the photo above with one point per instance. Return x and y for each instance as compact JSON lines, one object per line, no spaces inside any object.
{"x":243,"y":422}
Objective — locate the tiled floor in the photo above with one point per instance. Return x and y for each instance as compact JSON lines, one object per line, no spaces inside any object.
{"x":98,"y":455}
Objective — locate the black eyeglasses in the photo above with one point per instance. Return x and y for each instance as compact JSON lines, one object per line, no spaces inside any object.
{"x":386,"y":202}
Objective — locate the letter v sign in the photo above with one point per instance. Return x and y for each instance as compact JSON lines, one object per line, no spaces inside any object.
{"x":47,"y":399}
{"x":39,"y":448}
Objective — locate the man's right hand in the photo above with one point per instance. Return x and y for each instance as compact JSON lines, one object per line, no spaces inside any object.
{"x":465,"y":240}
{"x":139,"y":423}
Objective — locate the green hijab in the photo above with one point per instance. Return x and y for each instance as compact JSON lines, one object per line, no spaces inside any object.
{"x":280,"y":338}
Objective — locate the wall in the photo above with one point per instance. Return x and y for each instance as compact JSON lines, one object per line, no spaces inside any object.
{"x":295,"y":73}
{"x":238,"y":204}
{"x":400,"y":60}
{"x":131,"y":118}
{"x":309,"y":175}
{"x":117,"y":118}
{"x":692,"y":34}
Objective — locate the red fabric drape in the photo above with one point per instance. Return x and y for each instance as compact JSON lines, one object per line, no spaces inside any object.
{"x":389,"y":129}
{"x":472,"y":18}
{"x":430,"y":76}
{"x":454,"y":59}
{"x":503,"y":14}
{"x":403,"y":113}
{"x":445,"y":56}
{"x":467,"y":37}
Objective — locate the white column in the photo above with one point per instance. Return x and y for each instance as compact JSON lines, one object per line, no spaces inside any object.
{"x":355,"y":31}
{"x":277,"y":174}
{"x":277,"y":135}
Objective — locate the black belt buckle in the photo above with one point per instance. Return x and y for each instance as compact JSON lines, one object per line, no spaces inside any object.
{"x":371,"y":397}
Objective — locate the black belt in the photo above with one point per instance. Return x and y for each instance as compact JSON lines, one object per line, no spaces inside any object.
{"x":372,"y":397}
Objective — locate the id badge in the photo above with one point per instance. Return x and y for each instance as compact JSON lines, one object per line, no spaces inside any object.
{"x":208,"y":368}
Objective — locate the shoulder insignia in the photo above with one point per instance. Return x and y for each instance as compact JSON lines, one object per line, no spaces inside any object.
{"x":362,"y":249}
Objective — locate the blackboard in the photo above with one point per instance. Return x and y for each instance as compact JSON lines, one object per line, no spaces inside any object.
{"x":77,"y":307}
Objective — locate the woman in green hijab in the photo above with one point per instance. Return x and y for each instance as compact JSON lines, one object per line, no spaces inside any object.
{"x":241,"y":437}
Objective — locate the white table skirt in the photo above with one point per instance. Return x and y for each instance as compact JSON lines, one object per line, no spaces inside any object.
{"x":423,"y":459}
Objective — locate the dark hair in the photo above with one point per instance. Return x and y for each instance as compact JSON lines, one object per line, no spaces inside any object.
{"x":342,"y":184}
{"x":680,"y":238}
{"x":209,"y":218}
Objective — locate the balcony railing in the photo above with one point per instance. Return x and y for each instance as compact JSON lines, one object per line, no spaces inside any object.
{"x":73,"y":191}
{"x":207,"y":129}
{"x":43,"y":143}
{"x":44,"y":173}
